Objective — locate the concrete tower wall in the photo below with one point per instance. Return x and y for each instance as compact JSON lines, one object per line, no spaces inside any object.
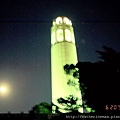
{"x":61,"y":54}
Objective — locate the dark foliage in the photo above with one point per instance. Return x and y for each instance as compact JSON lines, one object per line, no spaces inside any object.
{"x":43,"y":108}
{"x":102,"y":80}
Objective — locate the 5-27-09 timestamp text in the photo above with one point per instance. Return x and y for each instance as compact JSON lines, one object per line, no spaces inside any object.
{"x":112,"y":107}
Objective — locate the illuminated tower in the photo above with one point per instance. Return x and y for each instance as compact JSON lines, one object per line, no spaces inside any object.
{"x":63,"y":51}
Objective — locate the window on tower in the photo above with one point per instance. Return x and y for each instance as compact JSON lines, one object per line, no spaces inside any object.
{"x":68,"y":35}
{"x":53,"y":38}
{"x":73,"y":38}
{"x":59,"y":35}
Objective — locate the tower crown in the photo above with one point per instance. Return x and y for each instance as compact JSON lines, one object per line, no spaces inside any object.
{"x":62,"y":20}
{"x":62,"y":31}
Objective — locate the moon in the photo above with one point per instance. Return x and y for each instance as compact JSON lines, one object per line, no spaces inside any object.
{"x":3,"y":89}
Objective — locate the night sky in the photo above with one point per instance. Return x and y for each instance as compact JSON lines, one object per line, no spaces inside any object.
{"x":25,"y":43}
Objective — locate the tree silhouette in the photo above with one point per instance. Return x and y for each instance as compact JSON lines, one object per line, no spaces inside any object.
{"x":111,"y":68}
{"x":70,"y":105}
{"x":101,"y":79}
{"x":43,"y":108}
{"x":111,"y":58}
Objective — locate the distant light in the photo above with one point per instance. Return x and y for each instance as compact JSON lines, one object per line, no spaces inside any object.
{"x":59,"y":20}
{"x":67,"y":21}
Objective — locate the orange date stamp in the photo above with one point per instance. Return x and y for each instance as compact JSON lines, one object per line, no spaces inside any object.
{"x":112,"y":107}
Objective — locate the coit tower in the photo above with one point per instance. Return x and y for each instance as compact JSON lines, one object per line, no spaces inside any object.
{"x":63,"y":51}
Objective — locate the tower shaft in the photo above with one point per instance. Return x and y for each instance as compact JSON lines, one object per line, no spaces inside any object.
{"x":61,"y":54}
{"x":63,"y":51}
